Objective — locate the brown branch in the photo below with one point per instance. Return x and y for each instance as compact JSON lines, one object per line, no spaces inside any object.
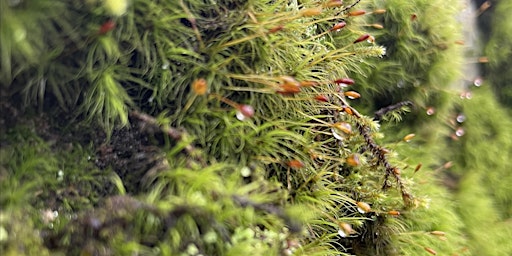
{"x":174,"y":133}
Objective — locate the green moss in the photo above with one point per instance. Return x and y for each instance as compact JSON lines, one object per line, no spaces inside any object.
{"x":498,"y":53}
{"x":196,"y":179}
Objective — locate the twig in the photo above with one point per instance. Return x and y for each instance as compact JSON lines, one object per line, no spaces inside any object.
{"x":383,"y":111}
{"x":379,"y":153}
{"x":175,"y":134}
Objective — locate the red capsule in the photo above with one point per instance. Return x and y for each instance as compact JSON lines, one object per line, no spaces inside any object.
{"x":246,"y":110}
{"x":362,"y":38}
{"x":338,"y":26}
{"x":106,"y":27}
{"x":275,"y":29}
{"x":288,"y":89}
{"x":322,"y":98}
{"x":344,"y":81}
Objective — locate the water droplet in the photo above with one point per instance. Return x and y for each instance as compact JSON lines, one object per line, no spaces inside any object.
{"x":165,"y":65}
{"x":431,"y":111}
{"x":60,"y":175}
{"x":478,"y":82}
{"x":459,"y":132}
{"x":150,"y":100}
{"x":337,"y":135}
{"x":240,"y":116}
{"x":461,"y":118}
{"x":20,"y":34}
{"x":466,"y":95}
{"x":245,"y":171}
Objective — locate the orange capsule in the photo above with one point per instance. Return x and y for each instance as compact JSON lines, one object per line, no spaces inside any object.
{"x":275,"y":29}
{"x":430,"y":250}
{"x":334,"y":3}
{"x":308,"y":83}
{"x":483,"y":60}
{"x":353,"y":160}
{"x":394,"y":213}
{"x":409,"y":137}
{"x":484,"y":6}
{"x":397,"y":171}
{"x":437,"y":233}
{"x":288,"y":89}
{"x":199,"y":86}
{"x":448,"y":165}
{"x":361,"y":38}
{"x":311,"y":11}
{"x":363,"y":207}
{"x":377,"y":26}
{"x":338,"y":26}
{"x":348,"y":110}
{"x":379,"y":11}
{"x":459,"y":42}
{"x":344,"y":127}
{"x":345,"y":229}
{"x":357,"y":13}
{"x":414,"y":16}
{"x":352,"y":95}
{"x":322,"y":98}
{"x":295,"y":164}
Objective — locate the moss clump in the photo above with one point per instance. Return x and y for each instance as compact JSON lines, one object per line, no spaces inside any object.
{"x":229,"y":126}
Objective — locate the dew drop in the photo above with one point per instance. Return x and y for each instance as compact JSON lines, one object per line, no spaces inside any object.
{"x":245,"y":171}
{"x":478,"y":82}
{"x":461,"y":118}
{"x":60,"y":175}
{"x":337,"y":135}
{"x":431,"y":111}
{"x":459,"y":132}
{"x":240,"y":116}
{"x":165,"y":65}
